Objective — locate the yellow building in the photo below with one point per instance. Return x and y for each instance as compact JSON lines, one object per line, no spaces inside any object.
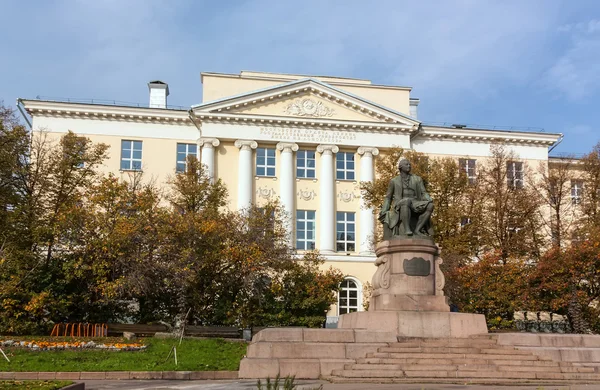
{"x":305,"y":140}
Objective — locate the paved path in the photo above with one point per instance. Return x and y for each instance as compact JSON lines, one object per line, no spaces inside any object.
{"x":306,"y":385}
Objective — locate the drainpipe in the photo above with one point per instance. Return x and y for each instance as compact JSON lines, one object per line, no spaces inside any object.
{"x":23,"y":113}
{"x":557,"y":143}
{"x":419,"y":129}
{"x":193,"y":119}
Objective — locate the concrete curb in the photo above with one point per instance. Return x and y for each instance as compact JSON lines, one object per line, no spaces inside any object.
{"x":124,"y":375}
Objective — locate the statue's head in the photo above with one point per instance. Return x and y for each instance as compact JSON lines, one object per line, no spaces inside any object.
{"x":404,"y":165}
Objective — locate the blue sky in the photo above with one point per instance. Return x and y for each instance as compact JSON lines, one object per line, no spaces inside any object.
{"x":509,"y":63}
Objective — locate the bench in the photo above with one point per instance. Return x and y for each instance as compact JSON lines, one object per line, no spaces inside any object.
{"x":138,"y":329}
{"x":226,"y":332}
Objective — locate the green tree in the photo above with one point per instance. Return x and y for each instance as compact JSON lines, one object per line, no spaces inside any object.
{"x":48,"y":179}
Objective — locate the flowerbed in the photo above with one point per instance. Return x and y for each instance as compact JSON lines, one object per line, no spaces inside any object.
{"x":41,"y":345}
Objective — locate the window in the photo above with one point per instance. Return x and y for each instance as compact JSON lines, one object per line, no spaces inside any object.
{"x":576,"y":190}
{"x":514,"y":174}
{"x":131,"y":155}
{"x":265,"y":162}
{"x":265,"y":219}
{"x":305,"y":164}
{"x":305,"y":229}
{"x":345,"y":232}
{"x":344,"y":166}
{"x":183,"y":151}
{"x":348,"y":297}
{"x":553,"y":191}
{"x":467,"y":165}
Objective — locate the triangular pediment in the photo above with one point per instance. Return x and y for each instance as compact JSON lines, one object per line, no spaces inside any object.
{"x":306,"y":99}
{"x":308,"y":105}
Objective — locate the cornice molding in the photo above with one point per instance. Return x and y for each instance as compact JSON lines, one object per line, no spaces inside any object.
{"x":487,"y":136}
{"x":565,"y":160}
{"x":335,"y":81}
{"x":102,"y":112}
{"x":301,"y":121}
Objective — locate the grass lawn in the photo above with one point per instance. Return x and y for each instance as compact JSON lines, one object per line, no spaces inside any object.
{"x":38,"y":385}
{"x":192,"y":355}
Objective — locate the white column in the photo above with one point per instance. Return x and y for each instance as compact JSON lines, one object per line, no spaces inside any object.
{"x":367,"y":219}
{"x":245,"y":170}
{"x":206,"y":148}
{"x":286,"y":184}
{"x":327,"y":199}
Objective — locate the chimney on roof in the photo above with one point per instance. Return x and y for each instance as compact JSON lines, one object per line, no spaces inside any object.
{"x":414,"y":105}
{"x":158,"y":94}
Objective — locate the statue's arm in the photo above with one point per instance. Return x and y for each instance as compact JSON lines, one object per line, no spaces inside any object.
{"x":387,"y":201}
{"x":423,"y":191}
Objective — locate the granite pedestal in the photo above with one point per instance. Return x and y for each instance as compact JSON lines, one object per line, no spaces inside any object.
{"x":408,"y":296}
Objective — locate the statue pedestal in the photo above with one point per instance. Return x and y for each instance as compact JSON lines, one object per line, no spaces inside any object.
{"x":408,"y":295}
{"x":408,"y":277}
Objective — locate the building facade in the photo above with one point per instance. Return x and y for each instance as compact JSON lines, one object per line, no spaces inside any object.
{"x":306,"y":140}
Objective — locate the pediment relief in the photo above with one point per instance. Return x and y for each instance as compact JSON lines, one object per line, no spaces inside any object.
{"x":308,"y":106}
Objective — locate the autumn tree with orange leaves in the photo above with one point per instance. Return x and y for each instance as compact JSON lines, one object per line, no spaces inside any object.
{"x":80,"y":246}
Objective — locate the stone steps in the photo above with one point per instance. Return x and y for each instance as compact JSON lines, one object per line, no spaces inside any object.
{"x":464,"y":374}
{"x":449,"y":360}
{"x":461,"y":381}
{"x":466,"y":367}
{"x":469,"y":350}
{"x":528,"y":363}
{"x":482,"y":343}
{"x":447,"y":355}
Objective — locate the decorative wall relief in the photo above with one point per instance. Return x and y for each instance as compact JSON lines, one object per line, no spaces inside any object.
{"x":347,"y":196}
{"x":440,"y":280}
{"x":265,"y":193}
{"x":381,"y":279}
{"x":308,"y":107}
{"x":307,"y":194}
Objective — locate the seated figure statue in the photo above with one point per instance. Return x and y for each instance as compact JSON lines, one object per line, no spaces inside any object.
{"x":407,"y":208}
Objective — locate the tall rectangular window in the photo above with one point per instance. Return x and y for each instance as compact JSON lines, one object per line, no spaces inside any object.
{"x":576,"y":191}
{"x":344,"y":166}
{"x":183,"y":151}
{"x":305,"y":164}
{"x":305,"y":229}
{"x":514,"y":174}
{"x":131,"y":155}
{"x":265,"y":162}
{"x":345,"y":232}
{"x":467,"y":165}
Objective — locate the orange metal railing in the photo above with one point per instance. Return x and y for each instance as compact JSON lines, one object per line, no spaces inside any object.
{"x":80,"y":329}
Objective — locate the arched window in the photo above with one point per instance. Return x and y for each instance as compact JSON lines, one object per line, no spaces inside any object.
{"x":350,"y":296}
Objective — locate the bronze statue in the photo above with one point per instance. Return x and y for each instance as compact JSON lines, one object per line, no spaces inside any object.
{"x":407,"y":208}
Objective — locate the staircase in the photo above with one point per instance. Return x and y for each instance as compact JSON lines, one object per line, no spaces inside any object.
{"x":478,"y":359}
